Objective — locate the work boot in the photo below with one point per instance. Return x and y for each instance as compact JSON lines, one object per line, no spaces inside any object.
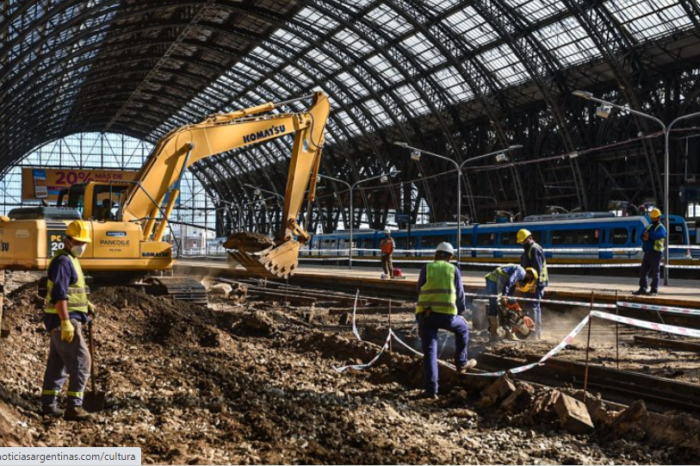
{"x":640,"y":292}
{"x":471,"y":364}
{"x":77,"y":414}
{"x":653,"y":293}
{"x":51,"y":411}
{"x":426,"y":396}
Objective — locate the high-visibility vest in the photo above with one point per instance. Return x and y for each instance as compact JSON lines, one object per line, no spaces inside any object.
{"x":77,"y":292}
{"x":543,"y":276}
{"x":497,"y":274}
{"x":387,"y":245}
{"x":659,"y":243}
{"x":438,"y":293}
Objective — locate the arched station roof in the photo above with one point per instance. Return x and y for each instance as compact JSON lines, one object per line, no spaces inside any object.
{"x":458,"y":77}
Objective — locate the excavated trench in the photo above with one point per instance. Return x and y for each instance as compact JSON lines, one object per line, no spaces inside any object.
{"x":248,"y":380}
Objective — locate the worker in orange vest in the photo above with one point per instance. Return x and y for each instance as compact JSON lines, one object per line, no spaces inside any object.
{"x":387,"y":247}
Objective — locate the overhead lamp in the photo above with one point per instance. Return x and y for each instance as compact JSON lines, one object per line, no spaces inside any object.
{"x":384,"y":179}
{"x":257,"y":192}
{"x":603,"y":111}
{"x":583,"y":94}
{"x":415,"y":155}
{"x":501,"y":158}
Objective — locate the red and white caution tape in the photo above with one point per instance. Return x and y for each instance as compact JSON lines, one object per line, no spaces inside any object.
{"x":546,"y":301}
{"x":691,"y":332}
{"x":653,"y":307}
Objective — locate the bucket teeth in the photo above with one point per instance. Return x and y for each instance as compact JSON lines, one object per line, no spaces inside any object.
{"x":278,"y":262}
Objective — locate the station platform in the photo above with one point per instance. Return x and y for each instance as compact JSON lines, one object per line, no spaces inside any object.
{"x":680,"y":292}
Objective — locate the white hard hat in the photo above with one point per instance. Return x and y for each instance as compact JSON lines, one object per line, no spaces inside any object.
{"x":445,"y":247}
{"x":386,"y":230}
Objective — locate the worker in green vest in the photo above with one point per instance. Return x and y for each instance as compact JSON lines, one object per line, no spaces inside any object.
{"x":67,"y":311}
{"x":440,"y":305}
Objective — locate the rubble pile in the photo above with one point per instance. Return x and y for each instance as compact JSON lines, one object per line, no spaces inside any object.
{"x":253,"y":382}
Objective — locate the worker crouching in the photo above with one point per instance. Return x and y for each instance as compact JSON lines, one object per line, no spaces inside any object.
{"x":504,"y":281}
{"x":66,"y":312}
{"x":440,"y":305}
{"x":534,"y":257}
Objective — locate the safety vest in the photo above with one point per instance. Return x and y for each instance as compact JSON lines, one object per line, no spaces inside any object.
{"x":497,"y":274}
{"x":387,"y":246}
{"x":439,"y":293}
{"x":77,"y":292}
{"x":659,"y":243}
{"x":543,"y":276}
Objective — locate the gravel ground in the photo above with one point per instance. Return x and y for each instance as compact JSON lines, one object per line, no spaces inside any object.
{"x":237,"y":383}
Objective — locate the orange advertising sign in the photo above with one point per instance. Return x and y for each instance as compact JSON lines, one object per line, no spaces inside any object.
{"x":46,"y":183}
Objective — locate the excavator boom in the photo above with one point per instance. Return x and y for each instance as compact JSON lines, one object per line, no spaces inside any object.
{"x":150,"y":200}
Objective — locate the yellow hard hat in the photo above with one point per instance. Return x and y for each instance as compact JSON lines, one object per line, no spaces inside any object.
{"x":523,"y":235}
{"x":533,"y":272}
{"x":79,"y":230}
{"x":655,"y":213}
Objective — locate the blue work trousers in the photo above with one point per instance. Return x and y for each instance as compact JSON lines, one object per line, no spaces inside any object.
{"x":537,"y":310}
{"x":428,"y":328}
{"x":66,"y":360}
{"x":651,"y":265}
{"x":492,"y":289}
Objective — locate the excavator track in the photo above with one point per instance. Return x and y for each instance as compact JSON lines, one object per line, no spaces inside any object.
{"x":179,"y":288}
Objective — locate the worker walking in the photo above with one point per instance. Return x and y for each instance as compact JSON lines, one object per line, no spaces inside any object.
{"x":533,"y":257}
{"x":387,"y":246}
{"x":67,"y":309}
{"x":653,"y":245}
{"x":504,"y":281}
{"x":440,"y":305}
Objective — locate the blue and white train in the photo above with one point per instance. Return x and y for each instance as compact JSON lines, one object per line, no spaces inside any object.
{"x":585,"y":237}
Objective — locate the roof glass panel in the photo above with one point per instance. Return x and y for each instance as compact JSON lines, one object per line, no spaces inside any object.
{"x":285,"y":37}
{"x":382,"y":66}
{"x":475,"y":30}
{"x":568,"y":41}
{"x":450,"y":81}
{"x":353,"y":85}
{"x":502,"y":62}
{"x":377,"y":111}
{"x":440,"y":5}
{"x":389,"y":20}
{"x":536,"y":10}
{"x":412,"y":99}
{"x":647,"y":19}
{"x":353,"y":42}
{"x":348,"y":123}
{"x":321,"y":22}
{"x":424,"y":50}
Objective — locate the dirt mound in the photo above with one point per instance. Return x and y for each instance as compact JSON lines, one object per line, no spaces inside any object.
{"x":248,"y":242}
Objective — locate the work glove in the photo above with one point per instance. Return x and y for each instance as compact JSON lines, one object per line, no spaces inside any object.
{"x":92,"y":310}
{"x":67,"y":331}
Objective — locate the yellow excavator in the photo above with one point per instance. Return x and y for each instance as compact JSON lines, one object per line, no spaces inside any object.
{"x":128,"y":230}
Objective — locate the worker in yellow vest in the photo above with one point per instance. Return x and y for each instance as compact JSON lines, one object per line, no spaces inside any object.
{"x":67,"y":310}
{"x":653,"y":239}
{"x":440,"y":305}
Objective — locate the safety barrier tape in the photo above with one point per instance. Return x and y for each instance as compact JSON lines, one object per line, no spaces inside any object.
{"x":653,"y":307}
{"x":518,"y":250}
{"x":354,"y":313}
{"x":648,"y":325}
{"x":546,"y":301}
{"x":369,"y":364}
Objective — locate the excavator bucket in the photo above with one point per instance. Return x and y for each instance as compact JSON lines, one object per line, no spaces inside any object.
{"x":276,"y":262}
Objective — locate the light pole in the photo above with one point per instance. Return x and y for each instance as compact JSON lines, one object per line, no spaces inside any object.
{"x":666,"y":131}
{"x":416,"y":154}
{"x":384,"y":177}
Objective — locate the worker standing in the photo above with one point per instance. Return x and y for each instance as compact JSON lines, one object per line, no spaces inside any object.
{"x":440,"y":305}
{"x":653,"y":245}
{"x":387,"y":246}
{"x":534,"y":257}
{"x":67,"y":309}
{"x":504,"y":281}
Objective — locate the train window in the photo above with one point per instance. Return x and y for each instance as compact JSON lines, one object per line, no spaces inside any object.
{"x":575,"y":237}
{"x":433,"y":241}
{"x":620,"y":236}
{"x":509,"y":238}
{"x":367,"y":243}
{"x":466,"y":239}
{"x":676,"y":236}
{"x":412,"y":242}
{"x":537,"y":236}
{"x":484,"y":239}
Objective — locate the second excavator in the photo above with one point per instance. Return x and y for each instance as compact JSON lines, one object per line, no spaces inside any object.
{"x":130,"y":242}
